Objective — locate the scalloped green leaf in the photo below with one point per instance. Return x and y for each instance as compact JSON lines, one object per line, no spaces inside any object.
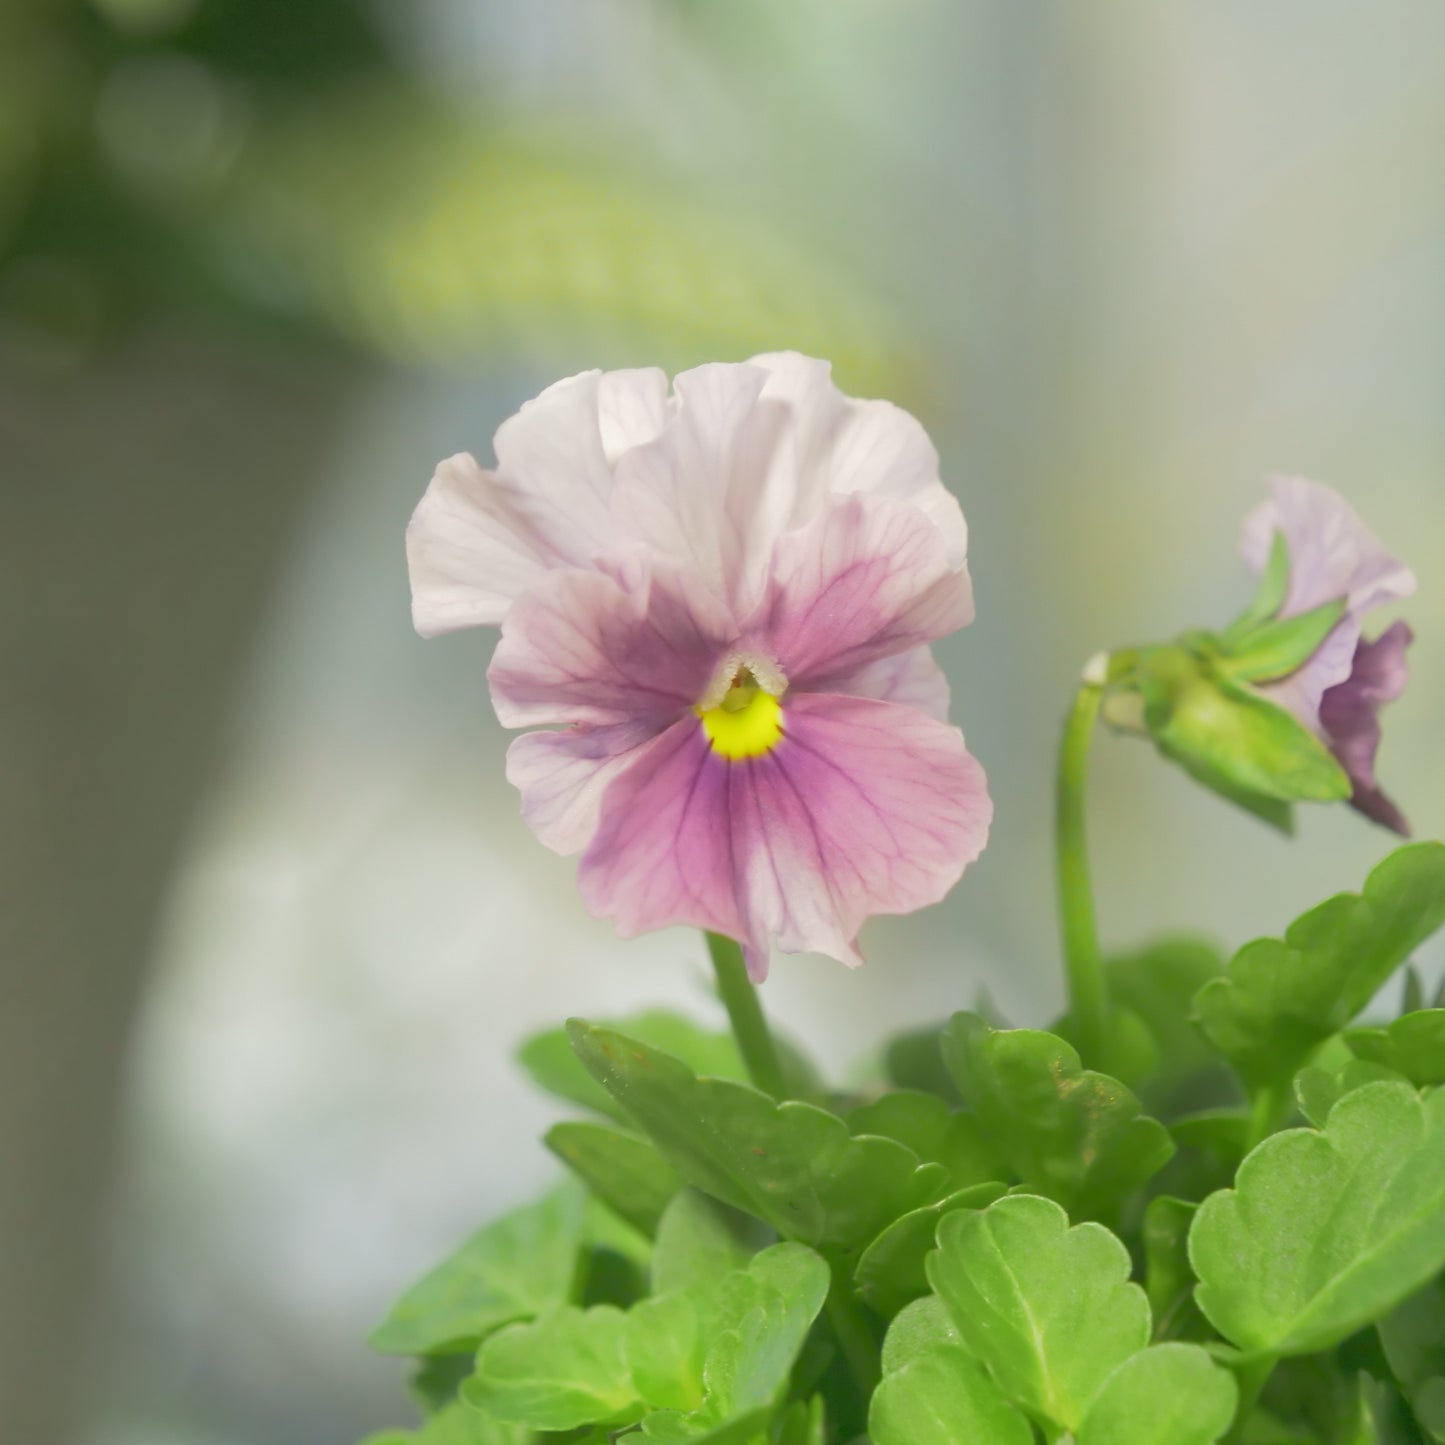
{"x":624,"y":1171}
{"x":891,"y":1270}
{"x":456,"y":1424}
{"x":1078,"y":1136}
{"x":699,"y":1239}
{"x":1413,"y":1046}
{"x":933,"y":1392}
{"x":1281,"y":998}
{"x":515,"y":1268}
{"x":1413,"y":1336}
{"x":1169,"y":1394}
{"x":1047,"y":1308}
{"x":559,"y":1372}
{"x":1325,"y":1231}
{"x":926,"y":1125}
{"x":554,"y":1066}
{"x":792,"y":1165}
{"x":720,"y":1352}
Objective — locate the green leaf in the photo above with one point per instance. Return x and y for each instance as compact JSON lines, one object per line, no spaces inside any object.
{"x":549,"y":1057}
{"x":1168,"y":1278}
{"x":792,"y":1165}
{"x":891,"y":1271}
{"x":1221,"y":1132}
{"x":803,"y":1423}
{"x":1323,"y":1232}
{"x":1166,"y":1395}
{"x":1281,"y":998}
{"x":933,"y":1392}
{"x":621,"y":1169}
{"x":1075,"y":1135}
{"x":1276,"y":649}
{"x":723,"y":1350}
{"x":927,"y":1126}
{"x":456,"y":1424}
{"x":1232,"y":738}
{"x":1269,"y":597}
{"x":699,"y":1239}
{"x":1413,"y":1046}
{"x":515,"y":1268}
{"x":749,"y":1360}
{"x":567,"y":1369}
{"x":1318,"y":1088}
{"x":913,"y":1060}
{"x":1158,"y":983}
{"x":1413,"y":1335}
{"x":435,"y":1381}
{"x":1048,"y":1309}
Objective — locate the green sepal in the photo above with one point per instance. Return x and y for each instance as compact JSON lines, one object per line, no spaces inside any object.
{"x":1230,"y":737}
{"x":1281,"y":647}
{"x":792,"y":1165}
{"x":1269,"y":596}
{"x":1325,"y":1231}
{"x":1281,"y":998}
{"x":517,"y":1267}
{"x":1078,"y":1136}
{"x":626,"y":1172}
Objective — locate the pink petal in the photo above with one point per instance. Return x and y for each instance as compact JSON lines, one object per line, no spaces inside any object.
{"x":478,"y":538}
{"x":1349,"y":717}
{"x":598,"y":648}
{"x":662,"y":853}
{"x":563,"y":775}
{"x":867,"y":578}
{"x":864,"y":807}
{"x":911,"y":678}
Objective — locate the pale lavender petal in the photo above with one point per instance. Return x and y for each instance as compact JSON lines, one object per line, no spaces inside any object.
{"x":911,"y":678}
{"x":471,"y":547}
{"x":563,"y":775}
{"x":1349,"y":716}
{"x":1332,"y":555}
{"x":864,"y":807}
{"x":675,"y":495}
{"x":662,"y":853}
{"x":596,"y":648}
{"x":866,"y":579}
{"x":479,"y":538}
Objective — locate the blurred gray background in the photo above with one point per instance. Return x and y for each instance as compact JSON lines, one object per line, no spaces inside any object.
{"x":271,"y":924}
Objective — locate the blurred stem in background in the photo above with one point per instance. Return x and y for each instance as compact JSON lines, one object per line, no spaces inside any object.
{"x":745,"y":1013}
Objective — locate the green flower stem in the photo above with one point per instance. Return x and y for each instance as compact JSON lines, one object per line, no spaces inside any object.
{"x":745,"y":1013}
{"x":1264,"y":1116}
{"x":855,"y":1335}
{"x":1082,"y":964}
{"x":1251,"y":1378}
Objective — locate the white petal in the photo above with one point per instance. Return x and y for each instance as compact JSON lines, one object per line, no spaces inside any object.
{"x":470,"y":549}
{"x":632,"y":408}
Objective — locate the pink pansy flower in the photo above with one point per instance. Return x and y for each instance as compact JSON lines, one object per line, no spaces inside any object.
{"x":717,"y":602}
{"x":1338,"y":693}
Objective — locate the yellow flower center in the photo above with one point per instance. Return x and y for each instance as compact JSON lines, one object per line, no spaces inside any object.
{"x":747,"y":723}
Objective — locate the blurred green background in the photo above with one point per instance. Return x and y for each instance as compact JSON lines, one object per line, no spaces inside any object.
{"x":271,"y":924}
